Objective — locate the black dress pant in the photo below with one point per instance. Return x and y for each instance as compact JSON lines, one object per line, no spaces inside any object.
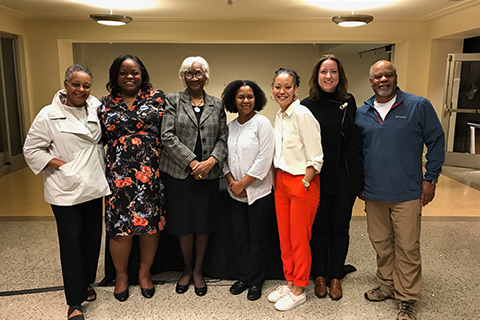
{"x":79,"y":233}
{"x":330,"y":235}
{"x":251,"y":226}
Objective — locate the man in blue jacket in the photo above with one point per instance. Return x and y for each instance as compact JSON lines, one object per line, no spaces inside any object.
{"x":394,"y":127}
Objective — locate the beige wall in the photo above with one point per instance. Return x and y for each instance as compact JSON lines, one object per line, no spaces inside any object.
{"x":228,"y":62}
{"x":50,"y":40}
{"x":418,"y":54}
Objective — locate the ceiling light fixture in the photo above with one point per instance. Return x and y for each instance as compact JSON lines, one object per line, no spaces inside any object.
{"x":353,"y":20}
{"x":111,"y":19}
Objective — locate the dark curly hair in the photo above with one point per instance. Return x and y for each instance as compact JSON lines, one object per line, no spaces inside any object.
{"x":293,"y":73}
{"x":112,"y":85}
{"x":230,"y":91}
{"x":342,"y":86}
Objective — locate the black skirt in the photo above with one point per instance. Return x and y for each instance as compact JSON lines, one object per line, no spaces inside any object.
{"x":191,"y":205}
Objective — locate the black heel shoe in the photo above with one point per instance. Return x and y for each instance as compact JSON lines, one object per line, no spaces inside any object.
{"x":180,"y":288}
{"x":201,"y":291}
{"x":122,"y":296}
{"x":91,"y":293}
{"x":148,"y":293}
{"x":71,"y":309}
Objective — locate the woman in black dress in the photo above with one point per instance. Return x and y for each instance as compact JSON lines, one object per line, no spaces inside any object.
{"x":194,"y":133}
{"x":131,"y":117}
{"x":340,"y":178}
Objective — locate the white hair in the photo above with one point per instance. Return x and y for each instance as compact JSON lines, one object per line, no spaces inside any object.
{"x":187,"y":65}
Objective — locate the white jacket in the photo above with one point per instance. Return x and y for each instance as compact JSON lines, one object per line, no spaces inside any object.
{"x":56,"y":133}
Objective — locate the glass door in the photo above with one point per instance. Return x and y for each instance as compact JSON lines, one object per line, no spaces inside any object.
{"x":461,"y":116}
{"x":11,"y":137}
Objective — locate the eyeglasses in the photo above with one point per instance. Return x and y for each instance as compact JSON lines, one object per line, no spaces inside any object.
{"x":197,"y":75}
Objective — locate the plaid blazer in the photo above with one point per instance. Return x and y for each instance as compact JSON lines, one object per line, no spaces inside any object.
{"x":180,"y":131}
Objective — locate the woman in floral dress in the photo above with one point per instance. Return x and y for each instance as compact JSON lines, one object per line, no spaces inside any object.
{"x":131,"y":117}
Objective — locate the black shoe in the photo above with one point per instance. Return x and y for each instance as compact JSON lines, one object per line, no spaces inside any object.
{"x":148,"y":293}
{"x":201,"y":291}
{"x":72,"y":309}
{"x":91,"y":293}
{"x":348,"y":268}
{"x":180,"y":288}
{"x":122,"y":296}
{"x":254,"y":293}
{"x":238,"y":287}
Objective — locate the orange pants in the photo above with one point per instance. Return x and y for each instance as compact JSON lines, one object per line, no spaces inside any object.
{"x":296,"y":209}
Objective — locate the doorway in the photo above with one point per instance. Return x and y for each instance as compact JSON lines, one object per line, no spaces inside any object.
{"x":461,"y":117}
{"x":11,"y":137}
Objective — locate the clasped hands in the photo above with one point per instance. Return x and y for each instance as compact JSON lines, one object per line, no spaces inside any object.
{"x":237,"y":189}
{"x":201,"y":169}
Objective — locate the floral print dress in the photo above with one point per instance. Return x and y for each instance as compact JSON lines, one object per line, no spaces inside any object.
{"x":132,"y":136}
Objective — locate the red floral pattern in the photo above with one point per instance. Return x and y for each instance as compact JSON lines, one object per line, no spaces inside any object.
{"x":132,"y":136}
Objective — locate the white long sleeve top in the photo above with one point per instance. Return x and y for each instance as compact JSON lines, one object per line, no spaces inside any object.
{"x":250,"y":151}
{"x":297,"y":140}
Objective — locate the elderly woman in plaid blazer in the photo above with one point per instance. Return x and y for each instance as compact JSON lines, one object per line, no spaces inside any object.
{"x":194,"y":135}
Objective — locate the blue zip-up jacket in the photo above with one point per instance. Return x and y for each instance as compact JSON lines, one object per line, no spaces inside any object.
{"x":392,"y":148}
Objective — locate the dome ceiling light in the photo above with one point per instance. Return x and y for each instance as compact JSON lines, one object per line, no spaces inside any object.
{"x":352,"y":20}
{"x":111,"y":19}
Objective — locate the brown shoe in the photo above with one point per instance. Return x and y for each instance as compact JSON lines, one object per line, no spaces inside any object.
{"x":321,"y":287}
{"x":376,"y":294}
{"x":406,"y":311}
{"x":335,"y":289}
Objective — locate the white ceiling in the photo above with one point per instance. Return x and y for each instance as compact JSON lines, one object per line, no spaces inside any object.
{"x":397,"y":10}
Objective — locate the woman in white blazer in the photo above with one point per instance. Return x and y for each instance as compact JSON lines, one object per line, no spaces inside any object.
{"x":64,"y":143}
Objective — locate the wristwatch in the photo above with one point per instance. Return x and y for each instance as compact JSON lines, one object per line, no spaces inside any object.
{"x":433,"y":181}
{"x":306,"y":184}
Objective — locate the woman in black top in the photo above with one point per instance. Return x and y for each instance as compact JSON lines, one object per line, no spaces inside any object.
{"x":340,"y":178}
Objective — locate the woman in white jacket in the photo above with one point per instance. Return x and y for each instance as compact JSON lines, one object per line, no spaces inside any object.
{"x":64,"y":143}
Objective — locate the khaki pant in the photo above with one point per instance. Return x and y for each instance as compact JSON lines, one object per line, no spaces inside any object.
{"x":394,"y":230}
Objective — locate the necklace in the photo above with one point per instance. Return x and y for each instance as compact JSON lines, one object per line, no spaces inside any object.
{"x":81,"y":111}
{"x":196,"y":107}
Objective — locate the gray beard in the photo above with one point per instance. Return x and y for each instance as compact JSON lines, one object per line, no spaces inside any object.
{"x":384,"y":92}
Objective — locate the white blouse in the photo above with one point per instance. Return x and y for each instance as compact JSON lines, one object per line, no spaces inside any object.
{"x":297,"y":140}
{"x":250,"y":151}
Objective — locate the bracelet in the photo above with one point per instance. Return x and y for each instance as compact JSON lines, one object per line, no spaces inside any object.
{"x":306,"y":184}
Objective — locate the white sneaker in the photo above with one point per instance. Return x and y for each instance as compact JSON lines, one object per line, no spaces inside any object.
{"x":290,"y":301}
{"x":279,"y":293}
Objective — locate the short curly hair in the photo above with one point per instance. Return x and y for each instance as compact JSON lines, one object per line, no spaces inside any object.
{"x":230,"y":91}
{"x":187,"y":65}
{"x":77,"y":68}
